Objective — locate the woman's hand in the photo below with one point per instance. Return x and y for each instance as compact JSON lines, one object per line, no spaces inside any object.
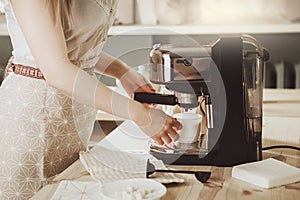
{"x":159,"y":126}
{"x":133,"y":81}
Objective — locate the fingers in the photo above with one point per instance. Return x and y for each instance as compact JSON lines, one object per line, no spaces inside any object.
{"x":159,"y":126}
{"x":173,"y":134}
{"x":176,"y":124}
{"x":167,"y":139}
{"x":168,"y":133}
{"x":148,"y":89}
{"x":145,"y":88}
{"x":158,"y":140}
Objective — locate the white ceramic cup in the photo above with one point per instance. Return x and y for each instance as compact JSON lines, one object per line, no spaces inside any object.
{"x":191,"y":124}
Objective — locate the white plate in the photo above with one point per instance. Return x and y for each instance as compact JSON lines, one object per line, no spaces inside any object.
{"x":114,"y":189}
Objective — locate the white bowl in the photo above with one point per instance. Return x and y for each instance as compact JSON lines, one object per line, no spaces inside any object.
{"x":115,"y":190}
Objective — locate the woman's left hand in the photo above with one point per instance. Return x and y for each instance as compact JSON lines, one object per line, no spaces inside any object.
{"x":133,"y":82}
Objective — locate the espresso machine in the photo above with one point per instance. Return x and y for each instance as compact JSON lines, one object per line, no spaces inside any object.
{"x":224,"y":80}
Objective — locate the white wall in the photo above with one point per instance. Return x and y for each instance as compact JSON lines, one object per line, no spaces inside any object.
{"x":225,"y":11}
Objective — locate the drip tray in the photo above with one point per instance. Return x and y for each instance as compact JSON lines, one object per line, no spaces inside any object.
{"x":177,"y":149}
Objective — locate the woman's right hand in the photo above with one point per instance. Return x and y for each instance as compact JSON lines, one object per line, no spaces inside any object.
{"x":159,"y":126}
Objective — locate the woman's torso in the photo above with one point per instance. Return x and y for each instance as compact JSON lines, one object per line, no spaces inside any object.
{"x":91,"y":21}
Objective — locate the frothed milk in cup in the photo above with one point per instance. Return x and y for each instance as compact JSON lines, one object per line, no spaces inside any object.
{"x":191,"y":124}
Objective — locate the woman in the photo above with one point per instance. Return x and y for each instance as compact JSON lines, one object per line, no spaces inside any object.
{"x":49,"y":97}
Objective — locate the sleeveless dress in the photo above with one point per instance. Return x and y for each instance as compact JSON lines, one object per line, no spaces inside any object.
{"x":42,"y":131}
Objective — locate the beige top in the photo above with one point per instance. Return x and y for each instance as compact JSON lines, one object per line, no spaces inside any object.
{"x":84,"y":41}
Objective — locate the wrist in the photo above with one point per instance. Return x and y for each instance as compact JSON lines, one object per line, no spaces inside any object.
{"x":140,"y":115}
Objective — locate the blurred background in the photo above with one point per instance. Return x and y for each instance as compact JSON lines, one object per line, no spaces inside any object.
{"x":197,"y":12}
{"x":141,"y":23}
{"x":274,"y":23}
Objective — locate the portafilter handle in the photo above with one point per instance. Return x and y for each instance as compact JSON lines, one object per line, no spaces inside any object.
{"x":153,"y":98}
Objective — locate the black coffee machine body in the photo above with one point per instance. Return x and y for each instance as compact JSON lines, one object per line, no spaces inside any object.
{"x":224,"y":79}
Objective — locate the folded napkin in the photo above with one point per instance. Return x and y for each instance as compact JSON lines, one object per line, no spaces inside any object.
{"x":267,"y":173}
{"x":106,"y":165}
{"x":78,"y":190}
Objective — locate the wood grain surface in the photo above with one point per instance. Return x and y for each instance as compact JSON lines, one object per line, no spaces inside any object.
{"x":220,"y":186}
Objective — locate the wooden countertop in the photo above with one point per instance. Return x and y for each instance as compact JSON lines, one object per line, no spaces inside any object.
{"x":220,"y":186}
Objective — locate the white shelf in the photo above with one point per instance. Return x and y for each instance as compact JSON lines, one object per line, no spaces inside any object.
{"x":193,"y":29}
{"x":203,"y":29}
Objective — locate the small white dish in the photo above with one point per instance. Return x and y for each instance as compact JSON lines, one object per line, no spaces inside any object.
{"x":120,"y":190}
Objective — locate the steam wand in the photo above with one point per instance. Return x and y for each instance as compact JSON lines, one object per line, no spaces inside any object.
{"x":209,"y":112}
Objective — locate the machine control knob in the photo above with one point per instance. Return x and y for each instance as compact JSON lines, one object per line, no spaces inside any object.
{"x":188,"y":61}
